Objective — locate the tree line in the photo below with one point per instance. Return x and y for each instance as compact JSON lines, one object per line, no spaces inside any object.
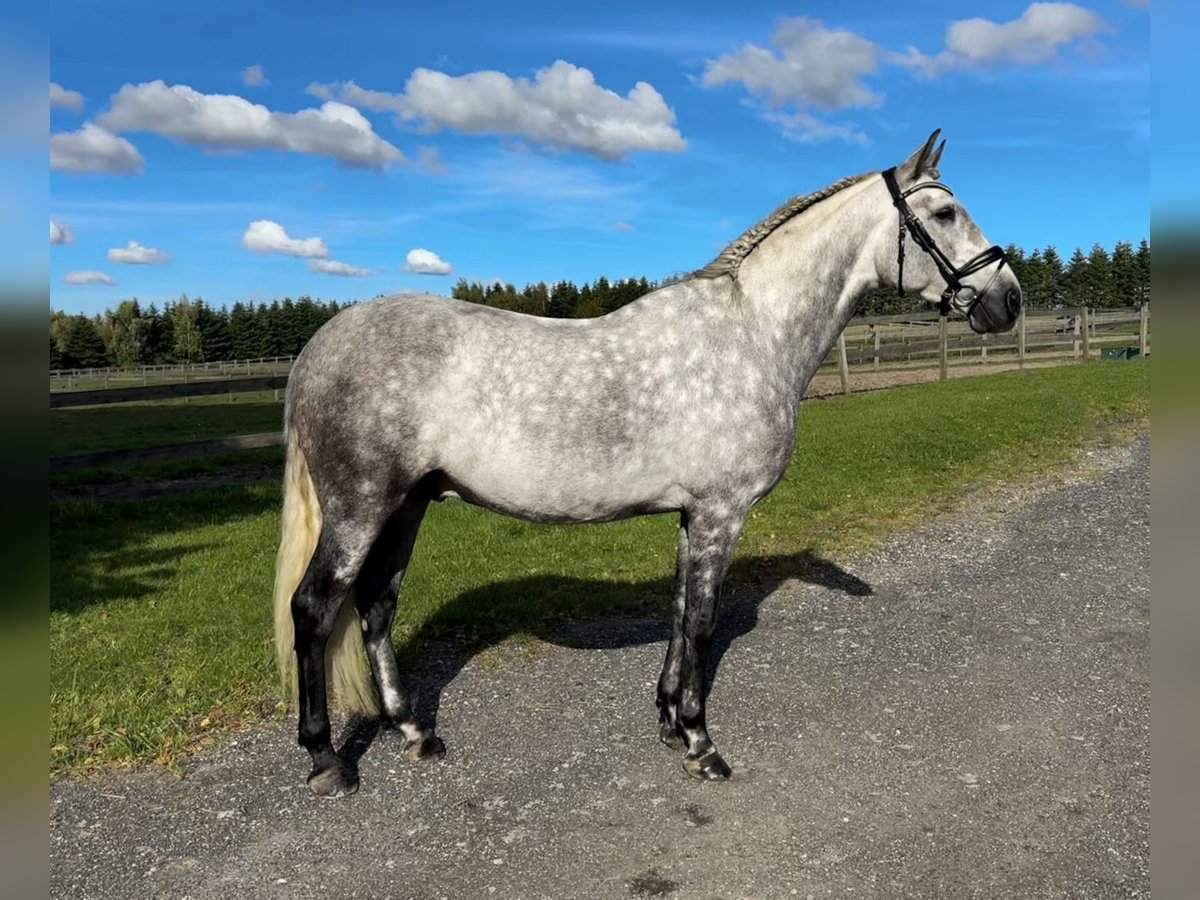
{"x":192,"y":331}
{"x":184,"y":331}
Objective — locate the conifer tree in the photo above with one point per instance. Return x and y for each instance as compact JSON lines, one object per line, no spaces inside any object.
{"x":83,"y":348}
{"x":1125,"y":281}
{"x":240,"y":320}
{"x":1055,"y":277}
{"x":215,"y":341}
{"x":1100,"y":278}
{"x":1142,"y":258}
{"x":564,"y":297}
{"x":1077,"y":280}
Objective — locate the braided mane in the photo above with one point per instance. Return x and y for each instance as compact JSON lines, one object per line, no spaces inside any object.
{"x":732,"y":256}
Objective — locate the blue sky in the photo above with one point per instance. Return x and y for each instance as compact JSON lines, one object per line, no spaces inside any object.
{"x":540,"y":141}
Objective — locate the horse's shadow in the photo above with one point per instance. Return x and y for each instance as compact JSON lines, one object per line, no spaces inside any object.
{"x":641,"y":615}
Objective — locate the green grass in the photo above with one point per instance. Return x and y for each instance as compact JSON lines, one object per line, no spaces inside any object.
{"x":88,"y":429}
{"x":160,"y":618}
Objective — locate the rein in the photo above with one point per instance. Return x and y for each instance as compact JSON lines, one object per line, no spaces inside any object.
{"x":952,"y":274}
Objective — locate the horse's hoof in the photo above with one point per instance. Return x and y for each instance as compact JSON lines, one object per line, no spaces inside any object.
{"x":428,"y":747}
{"x":339,"y":780}
{"x":671,"y":737}
{"x":707,"y":767}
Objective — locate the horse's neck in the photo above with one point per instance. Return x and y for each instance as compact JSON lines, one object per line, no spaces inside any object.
{"x":803,"y":283}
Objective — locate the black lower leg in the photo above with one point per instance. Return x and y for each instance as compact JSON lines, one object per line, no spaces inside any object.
{"x":330,"y":776}
{"x":315,"y":608}
{"x":702,"y":759}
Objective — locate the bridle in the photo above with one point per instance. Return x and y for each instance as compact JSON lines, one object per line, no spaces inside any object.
{"x":952,"y":274}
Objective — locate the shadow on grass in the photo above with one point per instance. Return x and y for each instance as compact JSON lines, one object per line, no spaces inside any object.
{"x":101,"y":552}
{"x":621,"y":614}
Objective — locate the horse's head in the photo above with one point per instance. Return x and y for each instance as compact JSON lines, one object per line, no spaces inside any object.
{"x":940,"y":252}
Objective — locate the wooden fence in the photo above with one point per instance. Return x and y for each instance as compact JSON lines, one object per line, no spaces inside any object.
{"x":171,"y":373}
{"x":878,"y":344}
{"x":927,"y":340}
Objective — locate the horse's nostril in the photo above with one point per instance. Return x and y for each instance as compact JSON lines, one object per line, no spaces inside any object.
{"x":1013,"y":299}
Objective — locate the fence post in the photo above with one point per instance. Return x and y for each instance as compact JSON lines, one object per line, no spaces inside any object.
{"x":1021,"y":339}
{"x":876,"y":330}
{"x":1144,"y":328}
{"x":983,"y":348}
{"x":943,"y":361}
{"x":1085,"y":332}
{"x":843,"y":365}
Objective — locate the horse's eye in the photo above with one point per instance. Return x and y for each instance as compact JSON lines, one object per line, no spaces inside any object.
{"x":945,"y":215}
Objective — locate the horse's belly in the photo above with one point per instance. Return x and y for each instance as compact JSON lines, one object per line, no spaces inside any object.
{"x":563,"y":493}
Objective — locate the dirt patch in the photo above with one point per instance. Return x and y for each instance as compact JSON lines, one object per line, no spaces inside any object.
{"x":651,"y":884}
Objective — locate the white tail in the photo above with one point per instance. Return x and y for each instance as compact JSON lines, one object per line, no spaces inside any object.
{"x":348,"y":676}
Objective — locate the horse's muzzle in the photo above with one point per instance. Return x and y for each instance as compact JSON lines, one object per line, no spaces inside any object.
{"x":995,"y":314}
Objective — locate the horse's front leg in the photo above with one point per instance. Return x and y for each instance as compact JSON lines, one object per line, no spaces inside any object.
{"x":712,"y":535}
{"x":669,"y":682}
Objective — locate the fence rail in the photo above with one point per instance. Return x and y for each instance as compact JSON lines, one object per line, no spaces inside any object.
{"x":171,"y":373}
{"x":63,"y":399}
{"x":925,"y":340}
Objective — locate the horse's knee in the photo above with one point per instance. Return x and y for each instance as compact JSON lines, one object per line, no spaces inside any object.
{"x":313,"y":617}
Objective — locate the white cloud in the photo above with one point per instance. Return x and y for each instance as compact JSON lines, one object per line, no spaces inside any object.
{"x":561,"y":107}
{"x":426,"y":262}
{"x":333,"y":267}
{"x":806,"y":128}
{"x":349,"y":92}
{"x":135,"y":254}
{"x":94,"y":149}
{"x":810,"y":66}
{"x":1036,"y":37}
{"x":88,"y":276}
{"x":229,"y":122}
{"x":61,"y":97}
{"x":622,"y":226}
{"x":254,"y":76}
{"x":265,"y":236}
{"x":60,"y":233}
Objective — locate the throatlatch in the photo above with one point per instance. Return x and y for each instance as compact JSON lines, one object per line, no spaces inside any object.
{"x":952,"y":274}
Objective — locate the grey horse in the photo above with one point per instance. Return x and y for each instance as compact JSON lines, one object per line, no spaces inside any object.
{"x":684,"y":401}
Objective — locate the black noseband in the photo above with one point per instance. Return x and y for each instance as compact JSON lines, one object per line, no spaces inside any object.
{"x":952,"y":274}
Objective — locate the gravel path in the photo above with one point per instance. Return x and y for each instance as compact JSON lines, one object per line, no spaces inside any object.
{"x":963,"y":713}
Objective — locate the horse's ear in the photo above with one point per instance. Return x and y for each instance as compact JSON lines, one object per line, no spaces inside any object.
{"x":923,"y":162}
{"x":936,"y":159}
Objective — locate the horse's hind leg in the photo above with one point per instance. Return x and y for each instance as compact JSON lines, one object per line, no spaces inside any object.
{"x":316,"y":606}
{"x":670,"y":681}
{"x":375,"y":594}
